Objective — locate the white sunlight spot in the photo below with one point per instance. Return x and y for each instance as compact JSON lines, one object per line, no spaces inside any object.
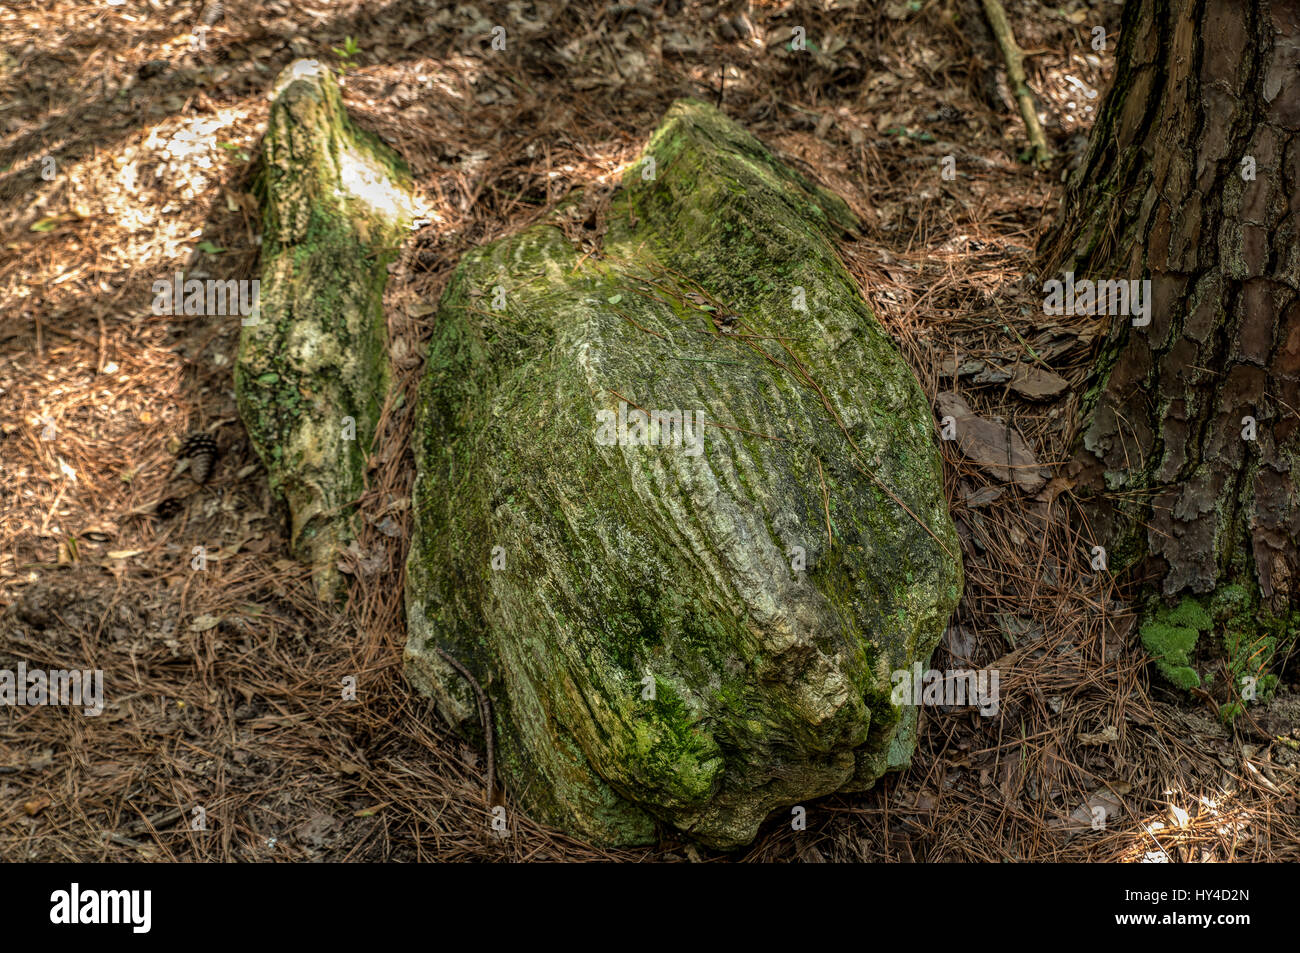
{"x":298,"y":69}
{"x":366,"y":180}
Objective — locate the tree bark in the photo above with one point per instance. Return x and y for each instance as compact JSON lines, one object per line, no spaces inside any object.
{"x":1205,"y":92}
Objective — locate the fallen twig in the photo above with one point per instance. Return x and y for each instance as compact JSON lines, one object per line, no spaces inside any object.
{"x":997,"y":18}
{"x":484,"y":714}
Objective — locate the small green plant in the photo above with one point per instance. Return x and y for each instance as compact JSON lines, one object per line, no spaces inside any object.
{"x":237,"y":149}
{"x":346,"y":53}
{"x":1250,"y":641}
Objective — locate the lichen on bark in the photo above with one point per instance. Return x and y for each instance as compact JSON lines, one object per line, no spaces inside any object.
{"x":634,"y":612}
{"x":312,"y":371}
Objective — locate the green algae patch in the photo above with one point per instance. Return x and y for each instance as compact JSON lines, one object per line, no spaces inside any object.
{"x":678,"y":506}
{"x":312,"y":370}
{"x":1229,"y":629}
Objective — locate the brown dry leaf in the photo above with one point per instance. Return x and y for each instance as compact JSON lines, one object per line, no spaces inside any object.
{"x":960,"y":643}
{"x":1102,"y":804}
{"x":1105,"y":736}
{"x":1037,"y":383}
{"x":983,"y":496}
{"x":998,"y":449}
{"x":1053,"y":342}
{"x":1055,"y":487}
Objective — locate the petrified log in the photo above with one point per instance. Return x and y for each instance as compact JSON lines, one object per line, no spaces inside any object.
{"x":312,"y":371}
{"x":679,"y":508}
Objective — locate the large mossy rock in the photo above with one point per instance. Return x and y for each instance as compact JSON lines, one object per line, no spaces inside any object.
{"x":637,"y":613}
{"x":312,"y":371}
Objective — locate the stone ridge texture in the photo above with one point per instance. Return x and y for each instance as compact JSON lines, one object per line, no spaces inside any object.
{"x":694,"y":632}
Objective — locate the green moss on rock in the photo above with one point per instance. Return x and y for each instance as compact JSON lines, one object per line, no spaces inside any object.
{"x":336,"y":205}
{"x":570,"y":576}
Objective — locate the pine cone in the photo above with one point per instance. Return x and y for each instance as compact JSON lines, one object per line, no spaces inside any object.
{"x":201,"y":450}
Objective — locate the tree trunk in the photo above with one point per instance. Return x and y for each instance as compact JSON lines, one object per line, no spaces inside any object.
{"x":1192,"y":180}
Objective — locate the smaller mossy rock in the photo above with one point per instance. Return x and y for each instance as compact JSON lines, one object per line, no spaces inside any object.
{"x":312,"y":370}
{"x":688,"y":612}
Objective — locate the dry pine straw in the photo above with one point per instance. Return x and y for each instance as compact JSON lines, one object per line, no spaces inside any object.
{"x":224,"y":686}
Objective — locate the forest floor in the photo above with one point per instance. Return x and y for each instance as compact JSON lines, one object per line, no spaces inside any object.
{"x":125,"y":156}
